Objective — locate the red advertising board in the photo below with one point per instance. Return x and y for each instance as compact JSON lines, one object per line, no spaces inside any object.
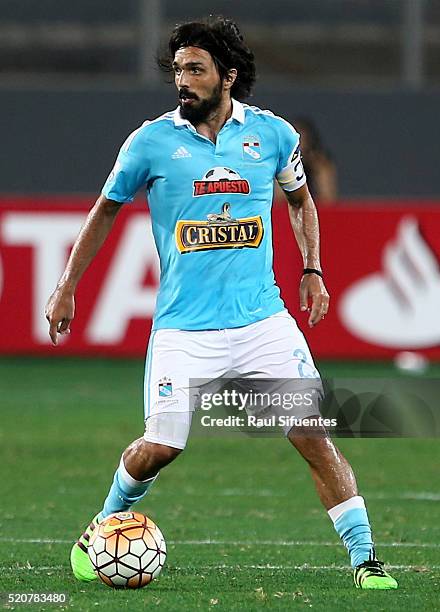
{"x":380,"y":264}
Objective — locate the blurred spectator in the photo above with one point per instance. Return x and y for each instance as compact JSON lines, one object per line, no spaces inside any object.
{"x":320,"y":168}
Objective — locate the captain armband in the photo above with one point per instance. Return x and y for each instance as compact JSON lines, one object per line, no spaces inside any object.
{"x":292,"y":176}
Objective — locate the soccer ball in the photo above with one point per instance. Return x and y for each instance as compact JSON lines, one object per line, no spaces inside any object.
{"x":127,"y":550}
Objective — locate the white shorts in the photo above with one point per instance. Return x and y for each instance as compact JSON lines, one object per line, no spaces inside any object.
{"x":273,"y":348}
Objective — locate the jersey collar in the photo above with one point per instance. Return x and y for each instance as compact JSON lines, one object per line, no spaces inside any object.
{"x":237,"y":115}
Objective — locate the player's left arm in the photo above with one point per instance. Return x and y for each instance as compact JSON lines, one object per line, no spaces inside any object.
{"x":305,"y":225}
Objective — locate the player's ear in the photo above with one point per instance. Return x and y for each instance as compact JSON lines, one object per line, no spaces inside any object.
{"x":230,"y":78}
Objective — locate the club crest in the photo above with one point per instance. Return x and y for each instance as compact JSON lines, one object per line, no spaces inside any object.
{"x":251,"y":148}
{"x":165,"y":388}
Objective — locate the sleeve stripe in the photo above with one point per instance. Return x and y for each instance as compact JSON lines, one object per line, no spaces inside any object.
{"x":165,"y":117}
{"x":130,"y":139}
{"x":269,"y":113}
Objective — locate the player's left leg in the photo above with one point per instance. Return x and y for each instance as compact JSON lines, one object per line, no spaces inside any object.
{"x":276,"y":349}
{"x":337,"y":489}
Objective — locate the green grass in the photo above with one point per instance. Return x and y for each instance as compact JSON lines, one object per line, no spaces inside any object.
{"x":63,"y":425}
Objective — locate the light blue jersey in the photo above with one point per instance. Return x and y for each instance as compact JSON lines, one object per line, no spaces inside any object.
{"x":210,"y":207}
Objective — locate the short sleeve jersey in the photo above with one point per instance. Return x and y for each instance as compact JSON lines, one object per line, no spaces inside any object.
{"x":210,"y":206}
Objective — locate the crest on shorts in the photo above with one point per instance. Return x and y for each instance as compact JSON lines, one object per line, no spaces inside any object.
{"x":252,"y":147}
{"x":165,"y":387}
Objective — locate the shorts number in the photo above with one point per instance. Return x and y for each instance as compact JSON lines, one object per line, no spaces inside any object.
{"x":302,"y":357}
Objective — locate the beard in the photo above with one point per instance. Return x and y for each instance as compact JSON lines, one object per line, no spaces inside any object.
{"x":199,"y":110}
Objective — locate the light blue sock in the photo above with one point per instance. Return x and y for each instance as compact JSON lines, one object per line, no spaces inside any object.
{"x":350,"y":519}
{"x":124,"y":492}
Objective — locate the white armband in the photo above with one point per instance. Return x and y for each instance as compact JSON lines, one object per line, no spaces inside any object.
{"x":292,"y":176}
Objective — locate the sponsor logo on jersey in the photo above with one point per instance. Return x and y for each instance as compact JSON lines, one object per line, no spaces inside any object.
{"x":251,"y":147}
{"x":219,"y":231}
{"x":221,"y":180}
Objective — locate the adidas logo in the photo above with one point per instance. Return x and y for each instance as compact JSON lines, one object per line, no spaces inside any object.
{"x":180,"y":152}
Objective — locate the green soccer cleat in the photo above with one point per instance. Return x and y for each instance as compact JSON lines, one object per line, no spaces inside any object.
{"x":371,"y":575}
{"x":79,"y":557}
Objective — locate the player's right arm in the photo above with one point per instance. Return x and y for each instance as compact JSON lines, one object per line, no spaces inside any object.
{"x":129,"y":174}
{"x":60,"y":308}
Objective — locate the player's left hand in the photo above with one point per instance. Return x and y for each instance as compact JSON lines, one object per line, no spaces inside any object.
{"x":312,"y":287}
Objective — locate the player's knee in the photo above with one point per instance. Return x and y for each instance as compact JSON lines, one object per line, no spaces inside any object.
{"x":314,"y":446}
{"x":302,"y":435}
{"x":158,"y":456}
{"x":146,"y":459}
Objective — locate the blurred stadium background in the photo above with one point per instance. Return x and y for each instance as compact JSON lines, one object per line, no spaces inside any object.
{"x":75,"y":79}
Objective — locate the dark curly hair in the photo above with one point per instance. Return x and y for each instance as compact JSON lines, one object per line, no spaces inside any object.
{"x":222,"y":39}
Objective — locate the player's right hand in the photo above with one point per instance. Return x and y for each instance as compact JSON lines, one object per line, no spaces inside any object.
{"x":60,"y":310}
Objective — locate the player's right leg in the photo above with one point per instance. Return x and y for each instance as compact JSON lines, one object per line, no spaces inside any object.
{"x":173,"y":358}
{"x":139,"y":466}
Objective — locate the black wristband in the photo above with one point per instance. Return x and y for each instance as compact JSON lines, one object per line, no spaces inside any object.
{"x":312,"y":271}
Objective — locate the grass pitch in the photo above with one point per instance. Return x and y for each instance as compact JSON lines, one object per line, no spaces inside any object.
{"x":244,"y":527}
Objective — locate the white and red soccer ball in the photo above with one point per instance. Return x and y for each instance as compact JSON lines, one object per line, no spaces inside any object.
{"x":127,"y":550}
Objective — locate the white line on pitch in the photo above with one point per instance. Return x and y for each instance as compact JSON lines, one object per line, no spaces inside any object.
{"x":408,"y":495}
{"x":304,"y":567}
{"x":35,"y":541}
{"x":236,"y":543}
{"x":295,"y":543}
{"x":411,"y":496}
{"x":32,"y":568}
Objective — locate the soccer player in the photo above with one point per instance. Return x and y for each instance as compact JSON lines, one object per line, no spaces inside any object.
{"x":208,"y":169}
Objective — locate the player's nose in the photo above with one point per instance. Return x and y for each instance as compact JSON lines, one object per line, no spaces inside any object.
{"x":183,"y":79}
